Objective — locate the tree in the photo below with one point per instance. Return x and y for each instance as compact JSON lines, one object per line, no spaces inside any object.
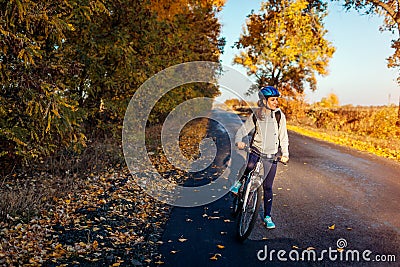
{"x":129,"y":43}
{"x":285,"y":46}
{"x":330,"y":101}
{"x":70,"y":67}
{"x":167,"y":9}
{"x":36,"y":116}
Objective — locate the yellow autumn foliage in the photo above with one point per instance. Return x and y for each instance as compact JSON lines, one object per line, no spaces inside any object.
{"x":284,"y":45}
{"x":371,"y":129}
{"x":167,"y":9}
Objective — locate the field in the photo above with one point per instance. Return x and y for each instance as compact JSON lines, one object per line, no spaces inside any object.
{"x":372,"y":129}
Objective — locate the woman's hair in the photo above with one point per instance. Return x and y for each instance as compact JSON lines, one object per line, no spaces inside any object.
{"x":260,"y":112}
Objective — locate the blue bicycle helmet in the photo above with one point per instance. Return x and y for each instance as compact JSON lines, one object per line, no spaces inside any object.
{"x":268,"y":91}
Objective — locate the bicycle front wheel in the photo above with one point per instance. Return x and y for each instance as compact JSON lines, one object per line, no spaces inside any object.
{"x":248,"y":214}
{"x":236,"y":206}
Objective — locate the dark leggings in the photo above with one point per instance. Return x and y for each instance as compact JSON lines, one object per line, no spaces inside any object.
{"x":268,"y":180}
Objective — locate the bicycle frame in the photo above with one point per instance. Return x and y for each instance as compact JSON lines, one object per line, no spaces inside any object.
{"x":255,"y":181}
{"x":255,"y":173}
{"x":244,"y":207}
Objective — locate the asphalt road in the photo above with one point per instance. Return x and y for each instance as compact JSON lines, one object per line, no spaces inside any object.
{"x":356,"y":194}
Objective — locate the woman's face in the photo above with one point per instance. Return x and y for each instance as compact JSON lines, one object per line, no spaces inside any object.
{"x":272,"y":102}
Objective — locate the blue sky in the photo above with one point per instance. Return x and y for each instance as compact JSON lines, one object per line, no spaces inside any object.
{"x":358,"y":73}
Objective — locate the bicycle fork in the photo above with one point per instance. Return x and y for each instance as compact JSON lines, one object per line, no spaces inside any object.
{"x":254,"y":183}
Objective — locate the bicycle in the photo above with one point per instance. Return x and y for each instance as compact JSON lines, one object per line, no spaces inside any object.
{"x":247,"y":201}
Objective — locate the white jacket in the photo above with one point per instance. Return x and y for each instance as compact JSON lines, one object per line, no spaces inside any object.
{"x":268,"y":135}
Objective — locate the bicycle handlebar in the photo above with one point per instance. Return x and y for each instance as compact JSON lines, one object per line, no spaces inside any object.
{"x":261,"y":155}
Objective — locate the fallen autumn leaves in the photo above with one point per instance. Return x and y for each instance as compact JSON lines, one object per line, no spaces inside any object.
{"x":109,"y":220}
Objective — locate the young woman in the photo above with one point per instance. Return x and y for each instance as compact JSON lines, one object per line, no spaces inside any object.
{"x":267,"y":139}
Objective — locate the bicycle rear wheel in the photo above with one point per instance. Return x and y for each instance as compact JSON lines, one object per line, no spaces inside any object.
{"x":248,"y":216}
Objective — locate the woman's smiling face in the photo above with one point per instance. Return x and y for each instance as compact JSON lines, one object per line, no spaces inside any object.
{"x":272,"y":102}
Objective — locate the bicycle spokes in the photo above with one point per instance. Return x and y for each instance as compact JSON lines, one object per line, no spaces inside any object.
{"x":248,"y":213}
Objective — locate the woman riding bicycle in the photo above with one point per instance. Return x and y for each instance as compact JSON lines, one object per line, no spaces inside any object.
{"x":268,"y":137}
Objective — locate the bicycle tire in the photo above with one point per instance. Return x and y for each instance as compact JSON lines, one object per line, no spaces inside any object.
{"x":236,"y":206}
{"x":236,"y":203}
{"x":251,"y":214}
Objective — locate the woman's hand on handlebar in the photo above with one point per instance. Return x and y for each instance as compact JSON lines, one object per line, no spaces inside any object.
{"x":241,"y":145}
{"x":284,"y":159}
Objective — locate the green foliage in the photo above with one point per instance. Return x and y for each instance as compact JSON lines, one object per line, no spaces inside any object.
{"x":126,"y":45}
{"x":285,"y":46}
{"x":36,"y":117}
{"x":68,"y":68}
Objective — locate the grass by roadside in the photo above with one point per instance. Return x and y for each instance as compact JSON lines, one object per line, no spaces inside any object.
{"x":385,"y":148}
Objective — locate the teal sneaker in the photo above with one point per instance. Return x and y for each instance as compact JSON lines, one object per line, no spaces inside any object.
{"x":235,"y":188}
{"x":269,"y":223}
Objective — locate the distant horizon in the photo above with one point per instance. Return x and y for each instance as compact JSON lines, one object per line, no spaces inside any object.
{"x":222,"y":100}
